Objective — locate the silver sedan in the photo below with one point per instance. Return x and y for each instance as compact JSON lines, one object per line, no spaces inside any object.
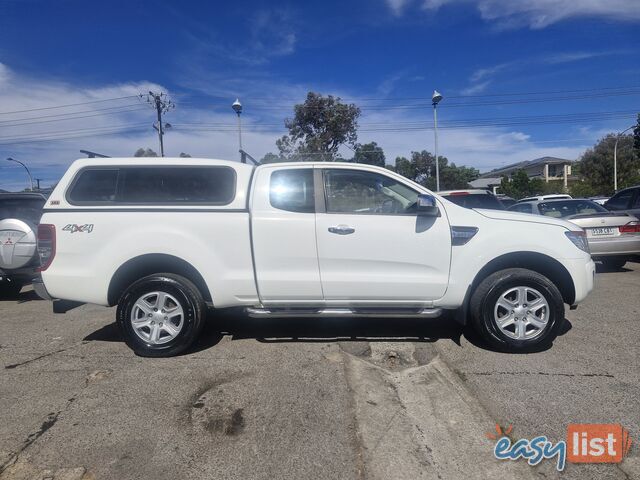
{"x":613,"y":237}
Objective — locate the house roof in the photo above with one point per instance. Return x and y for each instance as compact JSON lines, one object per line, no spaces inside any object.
{"x":526,"y":164}
{"x":485,"y":182}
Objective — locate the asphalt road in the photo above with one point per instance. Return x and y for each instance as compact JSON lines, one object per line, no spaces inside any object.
{"x":327,"y":398}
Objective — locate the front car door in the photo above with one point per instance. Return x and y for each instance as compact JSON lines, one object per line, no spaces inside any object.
{"x":372,"y":247}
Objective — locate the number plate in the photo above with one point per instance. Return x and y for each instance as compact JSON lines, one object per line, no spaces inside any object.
{"x":602,"y":232}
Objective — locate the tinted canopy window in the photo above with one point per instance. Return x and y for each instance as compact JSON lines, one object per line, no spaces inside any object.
{"x":292,"y":190}
{"x":155,"y":185}
{"x":212,"y":185}
{"x":95,"y":186}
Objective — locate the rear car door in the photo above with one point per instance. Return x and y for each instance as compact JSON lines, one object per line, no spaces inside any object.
{"x":371,"y":247}
{"x":283,"y":231}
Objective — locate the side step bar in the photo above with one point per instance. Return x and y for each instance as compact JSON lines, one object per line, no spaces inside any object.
{"x":255,"y":312}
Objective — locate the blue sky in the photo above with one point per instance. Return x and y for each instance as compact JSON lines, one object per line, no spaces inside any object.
{"x":385,"y":55}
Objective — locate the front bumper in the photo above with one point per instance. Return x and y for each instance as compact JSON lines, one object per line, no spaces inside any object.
{"x":582,"y":273}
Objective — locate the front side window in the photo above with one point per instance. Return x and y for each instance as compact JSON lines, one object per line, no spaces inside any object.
{"x":354,"y":191}
{"x":292,"y":190}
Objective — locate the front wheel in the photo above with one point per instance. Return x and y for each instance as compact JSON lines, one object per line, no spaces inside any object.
{"x":517,"y":310}
{"x":161,"y":315}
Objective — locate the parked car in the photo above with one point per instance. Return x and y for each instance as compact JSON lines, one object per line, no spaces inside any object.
{"x":554,"y":196}
{"x":19,"y":216}
{"x":613,"y":237}
{"x":473,"y":198}
{"x":165,"y":241}
{"x":505,"y":200}
{"x":627,"y":200}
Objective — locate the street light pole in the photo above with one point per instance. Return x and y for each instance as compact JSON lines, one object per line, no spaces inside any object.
{"x":436,"y":97}
{"x":25,"y":167}
{"x":237,"y":107}
{"x":615,"y":159}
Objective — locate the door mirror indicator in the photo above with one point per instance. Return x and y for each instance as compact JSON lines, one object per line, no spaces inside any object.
{"x":426,"y":206}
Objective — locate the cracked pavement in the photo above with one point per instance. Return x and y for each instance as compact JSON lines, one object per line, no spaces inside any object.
{"x":326,"y":398}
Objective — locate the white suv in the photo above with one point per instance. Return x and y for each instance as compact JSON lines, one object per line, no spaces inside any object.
{"x":165,"y":240}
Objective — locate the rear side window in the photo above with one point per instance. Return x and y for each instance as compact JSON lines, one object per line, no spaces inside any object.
{"x":155,"y":185}
{"x":292,"y":190}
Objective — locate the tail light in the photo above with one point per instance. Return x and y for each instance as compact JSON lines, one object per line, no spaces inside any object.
{"x":46,"y":245}
{"x":631,"y":227}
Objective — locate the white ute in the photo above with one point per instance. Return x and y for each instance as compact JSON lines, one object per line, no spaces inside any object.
{"x":165,"y":239}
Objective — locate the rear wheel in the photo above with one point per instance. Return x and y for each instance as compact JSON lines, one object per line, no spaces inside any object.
{"x":613,"y":263}
{"x":517,"y":310}
{"x":161,"y":315}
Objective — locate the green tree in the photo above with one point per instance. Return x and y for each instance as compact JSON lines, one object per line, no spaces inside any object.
{"x":422,"y":169}
{"x":369,"y":153}
{"x":271,"y":158}
{"x":596,"y":164}
{"x":319,"y":127}
{"x":452,"y":177}
{"x":141,"y":152}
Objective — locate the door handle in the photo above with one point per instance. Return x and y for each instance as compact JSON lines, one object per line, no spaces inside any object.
{"x":342,"y":230}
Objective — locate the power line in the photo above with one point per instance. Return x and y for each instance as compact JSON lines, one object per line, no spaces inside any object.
{"x":68,"y":113}
{"x":133,"y":108}
{"x":69,"y":105}
{"x":61,"y":132}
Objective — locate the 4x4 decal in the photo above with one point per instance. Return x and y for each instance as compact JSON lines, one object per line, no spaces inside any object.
{"x":86,"y":228}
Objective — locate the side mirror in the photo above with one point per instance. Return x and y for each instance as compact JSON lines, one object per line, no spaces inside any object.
{"x":426,"y":206}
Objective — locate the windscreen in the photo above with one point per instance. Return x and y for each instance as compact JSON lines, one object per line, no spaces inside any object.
{"x":567,"y":208}
{"x":22,"y":209}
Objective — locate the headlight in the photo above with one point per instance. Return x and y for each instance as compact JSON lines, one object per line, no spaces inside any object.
{"x":579,"y":239}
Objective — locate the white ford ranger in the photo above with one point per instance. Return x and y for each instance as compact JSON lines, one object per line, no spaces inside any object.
{"x":164,"y":239}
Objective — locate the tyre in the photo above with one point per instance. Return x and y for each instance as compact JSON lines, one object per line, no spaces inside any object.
{"x":613,"y":263}
{"x":161,"y":315}
{"x":10,"y":289}
{"x":517,"y":310}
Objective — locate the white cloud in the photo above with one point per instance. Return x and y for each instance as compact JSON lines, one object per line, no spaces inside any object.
{"x":484,"y":148}
{"x":397,"y":6}
{"x":536,"y":14}
{"x":476,"y":88}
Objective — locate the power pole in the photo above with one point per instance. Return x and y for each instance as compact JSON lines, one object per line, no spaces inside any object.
{"x":162,"y":104}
